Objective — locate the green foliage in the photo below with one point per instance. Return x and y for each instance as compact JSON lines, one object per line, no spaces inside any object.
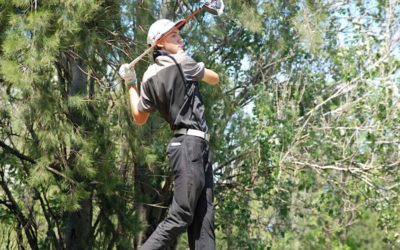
{"x":304,"y":125}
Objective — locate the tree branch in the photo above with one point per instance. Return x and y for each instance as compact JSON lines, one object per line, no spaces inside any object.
{"x":16,"y":153}
{"x":228,"y":161}
{"x":14,"y":207}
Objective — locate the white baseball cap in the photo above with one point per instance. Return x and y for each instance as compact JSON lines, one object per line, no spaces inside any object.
{"x":159,"y":28}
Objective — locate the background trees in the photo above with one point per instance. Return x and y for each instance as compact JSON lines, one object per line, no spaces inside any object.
{"x":305,"y":124}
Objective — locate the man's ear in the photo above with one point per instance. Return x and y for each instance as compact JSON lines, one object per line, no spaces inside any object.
{"x":160,"y":45}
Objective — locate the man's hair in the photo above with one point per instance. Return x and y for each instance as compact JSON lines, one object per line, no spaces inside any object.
{"x":157,"y":52}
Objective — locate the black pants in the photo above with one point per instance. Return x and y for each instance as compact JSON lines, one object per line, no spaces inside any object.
{"x":191,"y":209}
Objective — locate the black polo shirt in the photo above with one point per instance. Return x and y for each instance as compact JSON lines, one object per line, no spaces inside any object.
{"x":171,"y":86}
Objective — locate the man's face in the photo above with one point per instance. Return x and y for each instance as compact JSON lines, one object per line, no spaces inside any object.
{"x":172,"y":43}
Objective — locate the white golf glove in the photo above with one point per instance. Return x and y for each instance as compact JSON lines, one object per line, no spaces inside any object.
{"x":128,"y":74}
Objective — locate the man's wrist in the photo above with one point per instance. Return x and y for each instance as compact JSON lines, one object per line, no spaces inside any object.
{"x":132,"y":83}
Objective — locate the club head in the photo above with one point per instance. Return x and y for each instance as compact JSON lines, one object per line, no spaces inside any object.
{"x":215,"y":7}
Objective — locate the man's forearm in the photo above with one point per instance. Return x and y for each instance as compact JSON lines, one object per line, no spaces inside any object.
{"x":139,"y":118}
{"x":210,"y":77}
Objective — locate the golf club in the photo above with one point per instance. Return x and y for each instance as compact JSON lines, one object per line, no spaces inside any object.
{"x":214,"y":7}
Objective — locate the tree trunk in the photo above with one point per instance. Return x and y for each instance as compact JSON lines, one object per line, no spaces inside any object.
{"x":78,"y":223}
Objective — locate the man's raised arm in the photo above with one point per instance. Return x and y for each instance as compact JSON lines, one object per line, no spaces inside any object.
{"x":210,"y":77}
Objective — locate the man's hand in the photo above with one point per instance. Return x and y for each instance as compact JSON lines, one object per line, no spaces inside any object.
{"x":128,"y":74}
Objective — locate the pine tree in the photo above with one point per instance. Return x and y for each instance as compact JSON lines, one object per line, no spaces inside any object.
{"x":304,"y":125}
{"x":58,"y":140}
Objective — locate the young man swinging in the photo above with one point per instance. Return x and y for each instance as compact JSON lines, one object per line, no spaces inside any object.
{"x":171,"y":87}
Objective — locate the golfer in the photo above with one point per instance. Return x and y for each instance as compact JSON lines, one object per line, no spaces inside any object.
{"x":171,"y":87}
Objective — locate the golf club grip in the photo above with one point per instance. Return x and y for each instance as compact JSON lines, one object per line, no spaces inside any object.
{"x":148,"y":50}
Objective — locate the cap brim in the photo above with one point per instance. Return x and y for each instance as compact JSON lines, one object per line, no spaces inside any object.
{"x":179,"y":24}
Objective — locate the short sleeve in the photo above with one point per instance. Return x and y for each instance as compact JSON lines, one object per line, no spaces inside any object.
{"x":193,"y":71}
{"x":146,"y":104}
